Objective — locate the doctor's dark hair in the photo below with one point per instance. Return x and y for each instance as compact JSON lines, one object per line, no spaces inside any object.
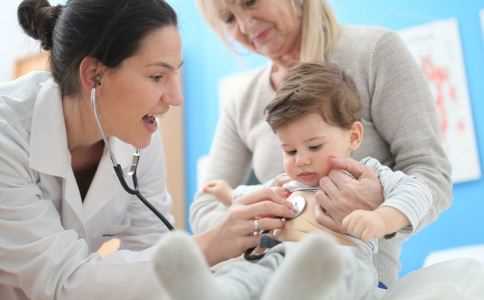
{"x":324,"y":89}
{"x":108,"y":30}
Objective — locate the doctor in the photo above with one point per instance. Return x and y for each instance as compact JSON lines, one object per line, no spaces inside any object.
{"x":59,"y":197}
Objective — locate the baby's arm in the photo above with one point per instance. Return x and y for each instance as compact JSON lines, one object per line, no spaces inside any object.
{"x":225,"y":194}
{"x":407,"y":202}
{"x":368,"y":225}
{"x":220,"y":189}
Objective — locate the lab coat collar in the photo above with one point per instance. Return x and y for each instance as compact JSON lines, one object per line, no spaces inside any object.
{"x":105,"y":186}
{"x":48,"y":138}
{"x":50,"y":154}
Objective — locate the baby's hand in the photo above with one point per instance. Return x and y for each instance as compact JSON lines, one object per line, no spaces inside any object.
{"x":281,"y":179}
{"x":364,"y":224}
{"x":220,"y":189}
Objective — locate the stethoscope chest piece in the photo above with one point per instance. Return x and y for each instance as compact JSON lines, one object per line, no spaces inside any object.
{"x":298,"y":204}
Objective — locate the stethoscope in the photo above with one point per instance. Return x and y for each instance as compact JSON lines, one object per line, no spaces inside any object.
{"x":132,"y":169}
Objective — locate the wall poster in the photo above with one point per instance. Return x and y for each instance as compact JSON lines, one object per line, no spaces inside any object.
{"x":437,"y":48}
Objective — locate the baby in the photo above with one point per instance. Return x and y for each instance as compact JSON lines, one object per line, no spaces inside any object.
{"x":316,"y":116}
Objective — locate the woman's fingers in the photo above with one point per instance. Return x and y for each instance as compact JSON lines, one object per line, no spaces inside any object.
{"x":354,"y":167}
{"x":264,"y":224}
{"x":266,"y":209}
{"x":326,"y":221}
{"x":329,"y":188}
{"x":249,"y":241}
{"x":341,"y":178}
{"x":274,"y":194}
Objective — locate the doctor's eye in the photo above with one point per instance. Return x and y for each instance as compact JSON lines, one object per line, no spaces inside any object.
{"x":157,"y":78}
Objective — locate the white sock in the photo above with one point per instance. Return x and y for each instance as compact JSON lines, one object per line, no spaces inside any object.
{"x":183,"y":271}
{"x":309,"y":272}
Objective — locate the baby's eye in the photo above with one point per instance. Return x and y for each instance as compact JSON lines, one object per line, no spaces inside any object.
{"x":291,"y":152}
{"x":315,"y":147}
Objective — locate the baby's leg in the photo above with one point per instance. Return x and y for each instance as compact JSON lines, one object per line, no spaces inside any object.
{"x":309,"y":271}
{"x":321,"y":269}
{"x":360,"y":279}
{"x":185,"y":275}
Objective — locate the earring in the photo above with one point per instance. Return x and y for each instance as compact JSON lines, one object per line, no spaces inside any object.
{"x":97,"y":80}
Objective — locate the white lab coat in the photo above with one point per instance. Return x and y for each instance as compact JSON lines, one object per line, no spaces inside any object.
{"x":48,"y":237}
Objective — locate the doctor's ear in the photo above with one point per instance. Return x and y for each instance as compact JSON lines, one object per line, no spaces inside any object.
{"x":90,"y":73}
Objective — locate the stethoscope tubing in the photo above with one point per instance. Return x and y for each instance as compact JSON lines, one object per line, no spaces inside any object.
{"x":132,"y":173}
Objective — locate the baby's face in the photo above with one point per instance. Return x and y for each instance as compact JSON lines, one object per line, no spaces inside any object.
{"x":308,"y":142}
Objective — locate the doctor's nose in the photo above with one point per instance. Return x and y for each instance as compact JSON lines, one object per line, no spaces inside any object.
{"x":173,"y":93}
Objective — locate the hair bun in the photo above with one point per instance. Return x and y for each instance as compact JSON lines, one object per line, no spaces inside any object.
{"x":38,"y":18}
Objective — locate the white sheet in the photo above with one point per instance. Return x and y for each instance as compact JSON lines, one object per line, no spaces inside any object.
{"x":459,"y":279}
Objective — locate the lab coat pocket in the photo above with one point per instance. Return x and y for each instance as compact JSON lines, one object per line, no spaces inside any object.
{"x":119,"y":220}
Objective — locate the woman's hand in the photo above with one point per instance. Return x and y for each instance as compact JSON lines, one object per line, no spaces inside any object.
{"x":348,"y":187}
{"x":249,"y":214}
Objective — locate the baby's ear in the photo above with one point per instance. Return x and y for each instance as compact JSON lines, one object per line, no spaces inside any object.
{"x":356,"y":135}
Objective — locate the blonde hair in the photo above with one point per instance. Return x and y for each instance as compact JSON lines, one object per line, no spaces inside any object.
{"x":320,"y":29}
{"x":315,"y":88}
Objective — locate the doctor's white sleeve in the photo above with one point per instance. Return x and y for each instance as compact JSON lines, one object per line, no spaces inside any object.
{"x":41,"y":260}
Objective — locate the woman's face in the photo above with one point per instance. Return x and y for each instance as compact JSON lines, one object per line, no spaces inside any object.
{"x":269,"y":27}
{"x":145,"y":85}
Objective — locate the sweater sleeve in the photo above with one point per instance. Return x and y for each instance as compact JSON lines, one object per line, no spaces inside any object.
{"x":229,"y":158}
{"x":404,"y":193}
{"x":404,"y":113}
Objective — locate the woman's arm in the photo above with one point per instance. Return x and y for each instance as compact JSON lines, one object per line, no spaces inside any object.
{"x":403,"y":112}
{"x":229,"y":159}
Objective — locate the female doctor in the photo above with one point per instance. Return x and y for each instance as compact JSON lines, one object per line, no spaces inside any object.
{"x":115,"y":65}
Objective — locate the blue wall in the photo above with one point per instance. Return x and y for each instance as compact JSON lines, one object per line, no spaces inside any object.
{"x":207,"y":60}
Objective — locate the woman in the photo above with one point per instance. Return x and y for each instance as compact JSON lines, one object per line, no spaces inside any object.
{"x":398,"y":113}
{"x":114,"y":67}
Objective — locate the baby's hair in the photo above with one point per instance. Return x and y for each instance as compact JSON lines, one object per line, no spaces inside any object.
{"x":315,"y":88}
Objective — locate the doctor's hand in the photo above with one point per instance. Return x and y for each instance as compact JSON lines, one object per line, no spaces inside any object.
{"x":250,"y":214}
{"x":348,"y":187}
{"x":281,"y":179}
